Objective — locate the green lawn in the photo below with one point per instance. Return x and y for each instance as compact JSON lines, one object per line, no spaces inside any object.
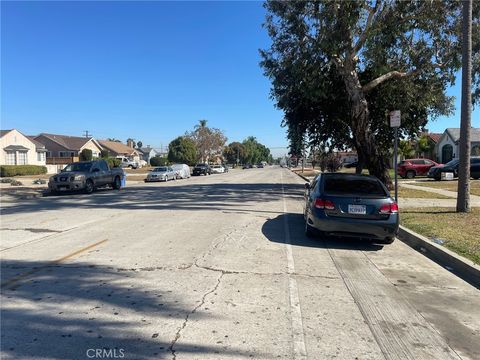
{"x":461,"y":232}
{"x":414,"y":193}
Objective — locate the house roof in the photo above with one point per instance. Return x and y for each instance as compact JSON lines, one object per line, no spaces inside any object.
{"x":455,"y":134}
{"x":435,"y":137}
{"x":4,"y":132}
{"x":69,"y":142}
{"x":117,"y":147}
{"x":146,"y":149}
{"x":16,"y":148}
{"x":39,"y":146}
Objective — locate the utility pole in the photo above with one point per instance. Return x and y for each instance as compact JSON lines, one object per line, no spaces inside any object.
{"x":87,"y":134}
{"x":463,"y":196}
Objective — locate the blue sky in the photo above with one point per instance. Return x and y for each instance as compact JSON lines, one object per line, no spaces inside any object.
{"x":146,"y":70}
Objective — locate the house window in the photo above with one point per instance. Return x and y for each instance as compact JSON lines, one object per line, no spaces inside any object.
{"x":11,"y":158}
{"x":40,"y":156}
{"x":475,"y":150}
{"x":22,"y":158}
{"x":67,"y":154}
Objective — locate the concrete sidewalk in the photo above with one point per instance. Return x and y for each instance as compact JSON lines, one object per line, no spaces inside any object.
{"x":474,"y":199}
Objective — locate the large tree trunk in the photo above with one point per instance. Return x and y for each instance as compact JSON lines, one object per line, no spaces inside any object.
{"x":463,"y":197}
{"x":364,"y":138}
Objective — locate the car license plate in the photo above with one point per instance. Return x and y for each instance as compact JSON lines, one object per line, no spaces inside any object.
{"x":357,"y":209}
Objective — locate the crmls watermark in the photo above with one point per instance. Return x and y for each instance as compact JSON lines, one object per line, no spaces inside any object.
{"x":105,"y":353}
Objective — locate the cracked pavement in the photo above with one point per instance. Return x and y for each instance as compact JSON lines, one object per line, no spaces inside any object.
{"x":197,"y":269}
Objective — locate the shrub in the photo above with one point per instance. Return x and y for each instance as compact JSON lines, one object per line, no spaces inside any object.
{"x":104,"y":154}
{"x":15,"y":170}
{"x":86,"y":155}
{"x":113,"y":162}
{"x":158,"y":161}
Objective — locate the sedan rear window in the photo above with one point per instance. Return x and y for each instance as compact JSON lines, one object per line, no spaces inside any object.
{"x":353,"y":186}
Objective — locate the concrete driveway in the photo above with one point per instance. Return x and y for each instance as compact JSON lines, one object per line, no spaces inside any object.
{"x":216,"y":267}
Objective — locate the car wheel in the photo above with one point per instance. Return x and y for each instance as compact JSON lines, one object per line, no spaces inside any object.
{"x":438,"y":178}
{"x":130,"y":166}
{"x":410,"y":174}
{"x":386,"y":241}
{"x":309,"y":231}
{"x":116,"y":183}
{"x":89,"y":187}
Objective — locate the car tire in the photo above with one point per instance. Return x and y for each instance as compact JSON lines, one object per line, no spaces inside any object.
{"x":89,"y":186}
{"x":410,"y":174}
{"x":117,"y":184}
{"x":386,"y":241}
{"x":309,"y":231}
{"x":437,"y":178}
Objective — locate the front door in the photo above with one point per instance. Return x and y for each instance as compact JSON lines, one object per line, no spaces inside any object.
{"x":447,"y":153}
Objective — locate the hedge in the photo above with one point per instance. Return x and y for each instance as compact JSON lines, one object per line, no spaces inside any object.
{"x":158,"y":161}
{"x":113,"y":162}
{"x":86,"y":155}
{"x":16,"y":170}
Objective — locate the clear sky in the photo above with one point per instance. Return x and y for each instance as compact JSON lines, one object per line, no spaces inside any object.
{"x":146,"y":70}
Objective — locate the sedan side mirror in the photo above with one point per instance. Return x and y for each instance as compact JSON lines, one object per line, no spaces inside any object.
{"x":307,"y":186}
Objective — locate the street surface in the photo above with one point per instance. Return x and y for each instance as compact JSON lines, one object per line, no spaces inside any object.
{"x":216,"y":267}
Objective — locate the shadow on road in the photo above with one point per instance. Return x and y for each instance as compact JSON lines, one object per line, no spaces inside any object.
{"x":274,"y":230}
{"x":59,"y":312}
{"x":218,"y":196}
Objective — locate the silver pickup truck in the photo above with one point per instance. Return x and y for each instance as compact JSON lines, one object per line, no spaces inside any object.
{"x":86,"y":176}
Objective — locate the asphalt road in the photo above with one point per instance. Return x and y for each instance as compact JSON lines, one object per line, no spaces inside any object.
{"x":216,"y":267}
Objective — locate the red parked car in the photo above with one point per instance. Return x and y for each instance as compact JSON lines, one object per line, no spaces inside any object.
{"x":415,"y":167}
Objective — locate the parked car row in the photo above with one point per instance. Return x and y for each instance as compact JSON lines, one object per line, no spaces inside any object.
{"x":411,"y":168}
{"x":182,"y":171}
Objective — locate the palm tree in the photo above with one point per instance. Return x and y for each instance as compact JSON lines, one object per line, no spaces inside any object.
{"x":463,"y":197}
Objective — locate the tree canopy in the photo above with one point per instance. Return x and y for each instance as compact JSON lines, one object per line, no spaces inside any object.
{"x":339,"y":67}
{"x":209,"y":141}
{"x":182,"y":150}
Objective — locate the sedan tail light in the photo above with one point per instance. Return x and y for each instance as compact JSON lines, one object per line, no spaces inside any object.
{"x":389,"y":208}
{"x":324,"y":204}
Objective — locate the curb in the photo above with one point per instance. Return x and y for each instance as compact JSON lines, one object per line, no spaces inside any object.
{"x":456,"y":264}
{"x":463,"y":268}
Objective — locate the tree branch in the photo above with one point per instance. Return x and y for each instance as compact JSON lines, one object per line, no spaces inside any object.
{"x":390,"y":75}
{"x":363,"y":36}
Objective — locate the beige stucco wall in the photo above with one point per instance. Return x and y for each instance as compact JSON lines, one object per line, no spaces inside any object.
{"x":14,"y":137}
{"x":92,"y":146}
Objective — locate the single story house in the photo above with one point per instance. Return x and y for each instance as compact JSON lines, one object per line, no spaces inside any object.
{"x":64,"y":146}
{"x":147,"y":153}
{"x":116,"y":148}
{"x":18,"y":149}
{"x":447,"y":146}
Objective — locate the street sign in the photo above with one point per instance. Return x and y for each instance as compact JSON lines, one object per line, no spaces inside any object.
{"x":395,"y":118}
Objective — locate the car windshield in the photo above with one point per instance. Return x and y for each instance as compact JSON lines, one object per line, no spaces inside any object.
{"x":160,"y":169}
{"x":452,"y":162}
{"x":84,"y":167}
{"x":336,"y":185}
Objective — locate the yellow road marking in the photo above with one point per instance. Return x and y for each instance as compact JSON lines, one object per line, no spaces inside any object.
{"x":20,"y":277}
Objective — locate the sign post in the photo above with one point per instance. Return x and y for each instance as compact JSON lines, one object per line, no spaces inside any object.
{"x":395,"y":123}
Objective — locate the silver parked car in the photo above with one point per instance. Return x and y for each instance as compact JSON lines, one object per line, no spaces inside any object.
{"x":161,"y":173}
